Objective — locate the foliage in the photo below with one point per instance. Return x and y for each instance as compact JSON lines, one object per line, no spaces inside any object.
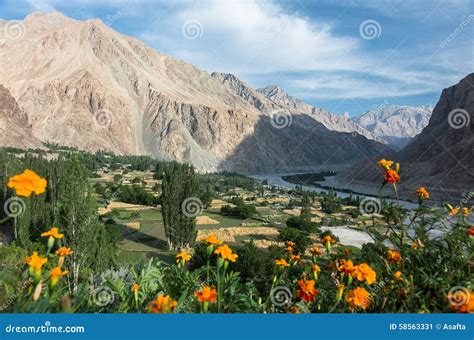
{"x":178,"y":200}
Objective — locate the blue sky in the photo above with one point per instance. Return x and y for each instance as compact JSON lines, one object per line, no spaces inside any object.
{"x":341,"y":55}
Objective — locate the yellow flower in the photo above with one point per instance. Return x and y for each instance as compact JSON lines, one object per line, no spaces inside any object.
{"x":26,"y":183}
{"x":212,"y":240}
{"x":135,"y":288}
{"x":290,"y":244}
{"x":358,"y":298}
{"x":54,"y":232}
{"x":282,"y":263}
{"x":63,"y":251}
{"x":422,"y":193}
{"x":363,"y":272}
{"x":398,"y":275}
{"x":35,"y":261}
{"x":385,"y":164}
{"x":162,"y":304}
{"x":315,"y":269}
{"x":183,"y":256}
{"x":466,"y":212}
{"x":56,"y":272}
{"x":226,"y":253}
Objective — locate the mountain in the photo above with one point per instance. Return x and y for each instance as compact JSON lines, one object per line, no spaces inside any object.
{"x":442,"y":154}
{"x":330,"y":120}
{"x":440,"y":157}
{"x":394,"y":124}
{"x":14,"y":129}
{"x":82,"y":84}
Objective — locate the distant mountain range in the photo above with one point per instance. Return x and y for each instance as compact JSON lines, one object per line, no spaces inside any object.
{"x":396,"y":125}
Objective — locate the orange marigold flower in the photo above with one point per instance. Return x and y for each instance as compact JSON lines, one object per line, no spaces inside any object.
{"x":135,"y":288}
{"x":328,"y":239}
{"x":295,"y":258}
{"x":282,"y":263}
{"x":35,"y":261}
{"x":346,"y":266}
{"x":462,"y":301}
{"x":385,"y":164}
{"x":212,"y":240}
{"x":57,"y":272}
{"x":295,"y":310}
{"x":162,"y":304}
{"x":470,"y":232}
{"x":183,"y":256}
{"x":290,"y":249}
{"x":454,"y":211}
{"x":63,"y":251}
{"x":206,"y":294}
{"x":358,"y":298}
{"x":391,"y":176}
{"x":306,"y":290}
{"x":363,"y":272}
{"x":394,"y":256}
{"x":316,"y":251}
{"x":53,"y":232}
{"x":422,"y":193}
{"x":26,"y":183}
{"x":398,"y":275}
{"x":226,"y":253}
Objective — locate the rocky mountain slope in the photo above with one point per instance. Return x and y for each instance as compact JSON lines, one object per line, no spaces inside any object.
{"x":82,"y":84}
{"x":441,"y":156}
{"x":330,"y":120}
{"x":14,"y":129}
{"x":395,"y":124}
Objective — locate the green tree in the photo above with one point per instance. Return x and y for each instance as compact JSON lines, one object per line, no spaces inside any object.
{"x":180,"y":204}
